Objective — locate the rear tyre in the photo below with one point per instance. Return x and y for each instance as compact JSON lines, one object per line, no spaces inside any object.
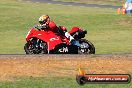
{"x":35,"y":47}
{"x":86,"y":47}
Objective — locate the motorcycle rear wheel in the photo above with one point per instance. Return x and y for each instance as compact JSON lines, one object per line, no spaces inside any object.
{"x":89,"y":50}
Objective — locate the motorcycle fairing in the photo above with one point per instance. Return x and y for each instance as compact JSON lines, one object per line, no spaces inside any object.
{"x":47,"y":36}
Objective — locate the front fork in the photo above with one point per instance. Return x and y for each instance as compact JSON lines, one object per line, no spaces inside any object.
{"x":35,"y":42}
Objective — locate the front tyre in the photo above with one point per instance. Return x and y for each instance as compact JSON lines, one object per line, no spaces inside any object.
{"x":35,"y":47}
{"x":86,"y":47}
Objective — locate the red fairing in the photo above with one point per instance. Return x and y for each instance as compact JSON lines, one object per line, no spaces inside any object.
{"x":74,"y":29}
{"x":48,"y":36}
{"x":30,"y":33}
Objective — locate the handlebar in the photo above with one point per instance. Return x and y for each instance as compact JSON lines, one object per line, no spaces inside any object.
{"x":40,"y":27}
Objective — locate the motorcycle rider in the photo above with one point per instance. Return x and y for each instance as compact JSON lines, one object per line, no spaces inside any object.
{"x":47,"y":24}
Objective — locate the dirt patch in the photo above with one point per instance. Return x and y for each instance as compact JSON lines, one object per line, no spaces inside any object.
{"x":61,"y":65}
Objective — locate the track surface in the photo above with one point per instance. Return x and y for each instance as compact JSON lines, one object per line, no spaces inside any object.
{"x":12,"y":66}
{"x":76,"y":4}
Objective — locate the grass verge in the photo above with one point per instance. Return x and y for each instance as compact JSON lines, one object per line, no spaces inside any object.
{"x":56,"y":82}
{"x":109,"y":32}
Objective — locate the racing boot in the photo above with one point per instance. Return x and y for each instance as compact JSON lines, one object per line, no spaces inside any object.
{"x":75,"y":42}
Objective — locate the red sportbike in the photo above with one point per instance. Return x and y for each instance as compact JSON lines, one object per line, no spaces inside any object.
{"x":48,"y":42}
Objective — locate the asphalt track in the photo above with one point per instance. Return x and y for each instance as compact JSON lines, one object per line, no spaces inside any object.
{"x":75,"y":4}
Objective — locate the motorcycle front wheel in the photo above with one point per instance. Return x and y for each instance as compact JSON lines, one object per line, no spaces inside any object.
{"x":35,"y":47}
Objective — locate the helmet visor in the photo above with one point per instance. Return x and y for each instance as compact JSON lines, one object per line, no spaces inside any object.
{"x":43,"y":22}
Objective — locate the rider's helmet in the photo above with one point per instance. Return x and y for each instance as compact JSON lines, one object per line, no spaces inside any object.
{"x":44,"y":19}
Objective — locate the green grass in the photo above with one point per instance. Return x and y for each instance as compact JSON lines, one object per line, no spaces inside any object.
{"x":109,"y":32}
{"x":56,"y":82}
{"x":102,"y":2}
